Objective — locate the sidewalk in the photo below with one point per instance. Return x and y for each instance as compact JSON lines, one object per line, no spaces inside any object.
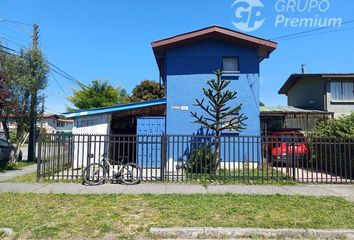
{"x":251,"y":233}
{"x":16,"y":173}
{"x":346,"y":191}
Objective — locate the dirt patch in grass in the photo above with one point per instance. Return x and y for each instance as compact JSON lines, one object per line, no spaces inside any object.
{"x":60,"y":216}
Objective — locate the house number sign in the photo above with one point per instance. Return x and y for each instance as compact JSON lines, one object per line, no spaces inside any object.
{"x":182,"y":108}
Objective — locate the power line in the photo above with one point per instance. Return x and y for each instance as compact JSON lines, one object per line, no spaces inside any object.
{"x":10,"y":49}
{"x":319,"y":33}
{"x":9,"y":36}
{"x":66,"y":75}
{"x":62,"y":72}
{"x":9,"y":40}
{"x":52,"y":110}
{"x":308,"y":31}
{"x":16,"y":22}
{"x":68,"y":78}
{"x":54,"y":68}
{"x":20,"y":24}
{"x":61,"y":88}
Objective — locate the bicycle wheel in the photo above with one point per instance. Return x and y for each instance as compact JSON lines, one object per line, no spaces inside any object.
{"x":131,"y":174}
{"x":94,"y":174}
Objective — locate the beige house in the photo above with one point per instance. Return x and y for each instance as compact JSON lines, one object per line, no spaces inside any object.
{"x":52,"y":123}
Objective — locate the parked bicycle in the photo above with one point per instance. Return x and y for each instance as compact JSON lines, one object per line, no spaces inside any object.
{"x":97,"y":173}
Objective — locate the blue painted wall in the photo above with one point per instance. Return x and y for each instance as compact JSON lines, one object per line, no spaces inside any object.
{"x":189,"y":67}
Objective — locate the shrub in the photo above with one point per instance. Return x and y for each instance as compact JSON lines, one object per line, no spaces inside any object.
{"x":332,"y":146}
{"x":202,"y":160}
{"x":340,"y":127}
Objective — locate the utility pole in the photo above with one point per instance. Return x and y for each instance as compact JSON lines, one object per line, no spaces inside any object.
{"x":33,"y":111}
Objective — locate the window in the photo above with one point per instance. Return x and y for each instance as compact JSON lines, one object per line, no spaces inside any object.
{"x":230,"y":64}
{"x":342,"y":91}
{"x":60,"y":124}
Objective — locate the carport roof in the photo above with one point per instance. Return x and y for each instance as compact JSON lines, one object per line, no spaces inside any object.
{"x":115,"y":108}
{"x":264,"y":110}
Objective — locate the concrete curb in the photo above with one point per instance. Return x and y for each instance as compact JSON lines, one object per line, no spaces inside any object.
{"x":207,"y":232}
{"x":7,"y":232}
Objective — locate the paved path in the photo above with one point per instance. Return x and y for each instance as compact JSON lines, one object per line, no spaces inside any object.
{"x":16,"y":173}
{"x":346,"y":191}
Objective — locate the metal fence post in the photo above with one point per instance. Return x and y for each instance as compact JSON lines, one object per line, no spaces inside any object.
{"x":293,"y":156}
{"x":39,"y":153}
{"x":163,"y":156}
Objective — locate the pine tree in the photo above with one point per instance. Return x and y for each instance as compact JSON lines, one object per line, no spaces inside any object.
{"x":219,"y":116}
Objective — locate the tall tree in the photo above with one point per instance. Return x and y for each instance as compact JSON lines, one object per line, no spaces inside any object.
{"x":147,"y":90}
{"x":219,"y":116}
{"x":24,"y":75}
{"x":98,"y":94}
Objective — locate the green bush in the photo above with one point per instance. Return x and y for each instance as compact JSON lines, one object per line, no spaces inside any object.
{"x":339,"y":127}
{"x":202,"y":160}
{"x":332,"y":146}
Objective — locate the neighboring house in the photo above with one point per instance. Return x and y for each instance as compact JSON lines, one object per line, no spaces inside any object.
{"x":186,"y":62}
{"x":323,"y":91}
{"x":52,"y":123}
{"x":11,"y":125}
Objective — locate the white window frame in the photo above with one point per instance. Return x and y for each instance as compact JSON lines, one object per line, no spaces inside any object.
{"x":341,"y":99}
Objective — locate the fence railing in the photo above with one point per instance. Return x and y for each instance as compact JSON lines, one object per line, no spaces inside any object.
{"x":248,"y":159}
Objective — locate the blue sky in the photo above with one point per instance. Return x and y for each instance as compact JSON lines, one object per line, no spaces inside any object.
{"x":111,"y":39}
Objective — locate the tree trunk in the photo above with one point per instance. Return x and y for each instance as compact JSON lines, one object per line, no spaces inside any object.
{"x":217,"y":149}
{"x":6,"y":129}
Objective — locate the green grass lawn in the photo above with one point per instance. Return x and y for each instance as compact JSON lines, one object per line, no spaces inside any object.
{"x":32,"y":178}
{"x":59,"y":216}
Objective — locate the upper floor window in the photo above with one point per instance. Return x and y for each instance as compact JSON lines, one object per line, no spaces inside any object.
{"x":342,"y":91}
{"x":60,"y":124}
{"x":230,"y":64}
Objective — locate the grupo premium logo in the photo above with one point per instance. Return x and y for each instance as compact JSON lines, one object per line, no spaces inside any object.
{"x":248,"y":14}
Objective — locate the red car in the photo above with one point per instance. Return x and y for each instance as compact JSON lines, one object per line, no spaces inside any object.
{"x":284,"y":143}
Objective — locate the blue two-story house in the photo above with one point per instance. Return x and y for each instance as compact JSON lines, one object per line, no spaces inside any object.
{"x":186,"y":62}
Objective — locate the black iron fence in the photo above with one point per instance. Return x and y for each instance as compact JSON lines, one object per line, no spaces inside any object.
{"x":248,"y":159}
